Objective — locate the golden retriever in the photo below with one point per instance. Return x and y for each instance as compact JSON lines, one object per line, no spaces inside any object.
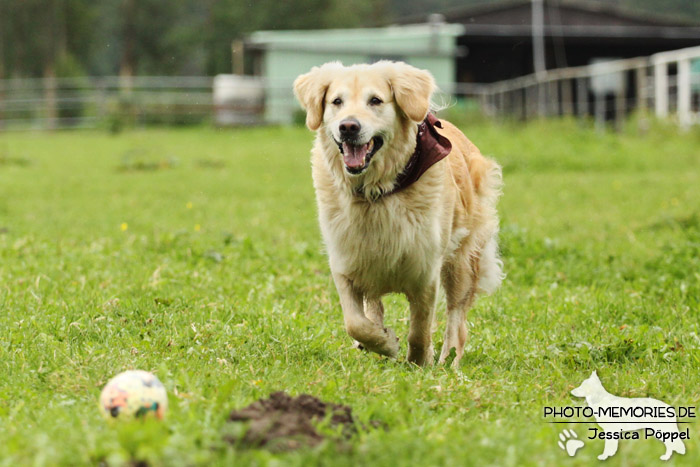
{"x":383,"y":235}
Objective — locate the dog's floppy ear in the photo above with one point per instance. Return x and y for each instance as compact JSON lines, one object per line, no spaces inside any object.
{"x":310,"y":90}
{"x":412,"y":89}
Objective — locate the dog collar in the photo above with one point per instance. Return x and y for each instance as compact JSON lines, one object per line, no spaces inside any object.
{"x":431,"y":147}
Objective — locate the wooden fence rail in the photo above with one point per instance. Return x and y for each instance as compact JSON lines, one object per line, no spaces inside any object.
{"x":606,"y":89}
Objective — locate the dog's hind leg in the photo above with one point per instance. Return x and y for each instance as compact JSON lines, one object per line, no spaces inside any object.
{"x":460,"y":290}
{"x":372,"y":336}
{"x":420,"y":345}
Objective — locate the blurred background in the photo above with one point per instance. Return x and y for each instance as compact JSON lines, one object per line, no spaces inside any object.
{"x":119,"y":63}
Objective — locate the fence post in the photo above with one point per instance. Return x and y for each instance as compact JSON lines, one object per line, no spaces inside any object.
{"x":50,"y":110}
{"x":684,"y":94}
{"x":599,"y":105}
{"x":2,"y":102}
{"x":567,"y":98}
{"x":581,"y":97}
{"x":553,"y":107}
{"x":661,"y":89}
{"x":484,"y":103}
{"x":496,"y":103}
{"x":641,"y":80}
{"x":541,"y":99}
{"x":101,"y":100}
{"x":511,"y":102}
{"x":530,"y":102}
{"x":620,"y":101}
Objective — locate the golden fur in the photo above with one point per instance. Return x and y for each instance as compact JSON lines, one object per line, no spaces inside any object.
{"x":442,"y":228}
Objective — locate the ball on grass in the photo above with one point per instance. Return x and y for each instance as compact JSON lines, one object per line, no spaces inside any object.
{"x":133,"y":394}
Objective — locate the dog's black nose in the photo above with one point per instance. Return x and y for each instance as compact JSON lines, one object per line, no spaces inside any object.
{"x":349,"y":128}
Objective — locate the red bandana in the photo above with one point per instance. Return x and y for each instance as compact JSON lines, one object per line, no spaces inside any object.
{"x":431,"y":147}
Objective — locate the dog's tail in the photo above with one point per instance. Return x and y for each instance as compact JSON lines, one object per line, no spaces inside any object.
{"x":491,"y":268}
{"x":489,"y":183}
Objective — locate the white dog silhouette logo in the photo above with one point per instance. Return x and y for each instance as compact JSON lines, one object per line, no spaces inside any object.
{"x":612,"y":413}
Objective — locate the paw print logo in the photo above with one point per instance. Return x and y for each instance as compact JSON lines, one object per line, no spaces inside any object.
{"x":569,"y":442}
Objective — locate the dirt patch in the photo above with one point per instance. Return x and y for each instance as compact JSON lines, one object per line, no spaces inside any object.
{"x":284,"y":423}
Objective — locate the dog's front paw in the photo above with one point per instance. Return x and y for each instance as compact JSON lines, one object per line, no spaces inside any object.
{"x":375,"y":339}
{"x":390,"y":347}
{"x":357,"y":345}
{"x":385,"y":344}
{"x":602,"y":457}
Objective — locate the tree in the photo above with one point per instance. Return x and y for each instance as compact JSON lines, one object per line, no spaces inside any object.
{"x":191,"y":36}
{"x":156,"y":36}
{"x":227,"y":20}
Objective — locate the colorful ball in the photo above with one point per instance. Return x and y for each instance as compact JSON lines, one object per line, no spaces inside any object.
{"x":133,"y":394}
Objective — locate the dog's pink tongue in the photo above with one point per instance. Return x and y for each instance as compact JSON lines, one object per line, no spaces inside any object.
{"x":354,"y":156}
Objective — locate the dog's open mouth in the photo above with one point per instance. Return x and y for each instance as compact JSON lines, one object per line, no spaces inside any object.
{"x":357,"y":157}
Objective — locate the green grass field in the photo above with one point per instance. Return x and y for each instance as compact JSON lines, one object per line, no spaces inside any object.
{"x":195,"y":254}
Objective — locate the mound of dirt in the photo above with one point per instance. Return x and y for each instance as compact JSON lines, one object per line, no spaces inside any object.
{"x":286,"y":423}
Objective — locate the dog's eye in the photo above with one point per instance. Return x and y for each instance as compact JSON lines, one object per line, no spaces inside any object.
{"x":375,"y":101}
{"x":337,"y":101}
